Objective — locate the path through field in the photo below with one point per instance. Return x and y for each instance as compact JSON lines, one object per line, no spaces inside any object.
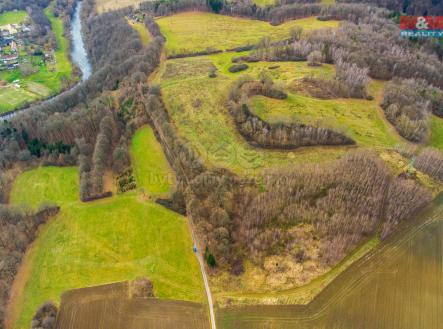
{"x":205,"y":280}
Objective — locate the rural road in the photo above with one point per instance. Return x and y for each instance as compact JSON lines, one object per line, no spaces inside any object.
{"x":205,"y":279}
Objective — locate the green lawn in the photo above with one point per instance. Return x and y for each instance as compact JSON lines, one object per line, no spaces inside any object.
{"x":358,"y":119}
{"x":197,"y":106}
{"x":46,"y":184}
{"x":48,"y":80}
{"x":196,"y":31}
{"x":110,"y":240}
{"x":13,"y":17}
{"x":151,"y":169}
{"x":12,"y":97}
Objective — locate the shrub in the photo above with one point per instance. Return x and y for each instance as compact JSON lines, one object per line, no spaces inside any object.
{"x":238,"y":68}
{"x":45,"y":317}
{"x":141,"y":288}
{"x":315,"y":58}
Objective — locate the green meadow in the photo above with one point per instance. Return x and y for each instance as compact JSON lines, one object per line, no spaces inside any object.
{"x":197,"y":106}
{"x":13,"y":17}
{"x":195,"y":31}
{"x":151,"y":169}
{"x":110,"y":240}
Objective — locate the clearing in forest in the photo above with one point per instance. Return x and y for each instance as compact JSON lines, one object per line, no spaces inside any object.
{"x":109,"y":240}
{"x":151,"y":168}
{"x":196,"y":104}
{"x":191,"y":32}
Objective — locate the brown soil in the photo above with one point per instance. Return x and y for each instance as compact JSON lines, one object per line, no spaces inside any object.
{"x":108,"y":307}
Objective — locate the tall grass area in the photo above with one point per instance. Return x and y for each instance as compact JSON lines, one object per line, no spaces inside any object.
{"x":197,"y":106}
{"x":358,"y":119}
{"x":196,"y":31}
{"x":151,"y":169}
{"x":110,"y":240}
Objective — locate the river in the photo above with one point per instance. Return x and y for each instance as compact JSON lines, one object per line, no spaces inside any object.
{"x":398,"y":286}
{"x":78,"y":53}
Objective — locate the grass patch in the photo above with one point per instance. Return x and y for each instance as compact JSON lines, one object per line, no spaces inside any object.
{"x":196,"y":31}
{"x":436,"y":133}
{"x":264,"y":3}
{"x":151,"y":169}
{"x":12,"y":97}
{"x":46,"y":184}
{"x":105,"y":241}
{"x":13,"y":17}
{"x":142,"y":31}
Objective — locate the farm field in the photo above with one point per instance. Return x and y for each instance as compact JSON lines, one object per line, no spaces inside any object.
{"x":192,"y":31}
{"x":88,"y":306}
{"x":396,"y":286}
{"x":151,"y":169}
{"x":196,"y":104}
{"x":111,"y":240}
{"x":48,"y":80}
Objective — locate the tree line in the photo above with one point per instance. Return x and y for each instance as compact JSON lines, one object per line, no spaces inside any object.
{"x":279,"y":135}
{"x":18,"y":228}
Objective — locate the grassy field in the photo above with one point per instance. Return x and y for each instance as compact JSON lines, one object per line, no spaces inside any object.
{"x":47,"y":81}
{"x":110,"y":240}
{"x":358,"y":119}
{"x":195,"y":31}
{"x":13,"y":17}
{"x":12,"y":97}
{"x":264,"y":3}
{"x":46,"y":184}
{"x":142,"y":31}
{"x":196,"y":104}
{"x":436,"y":133}
{"x":151,"y":169}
